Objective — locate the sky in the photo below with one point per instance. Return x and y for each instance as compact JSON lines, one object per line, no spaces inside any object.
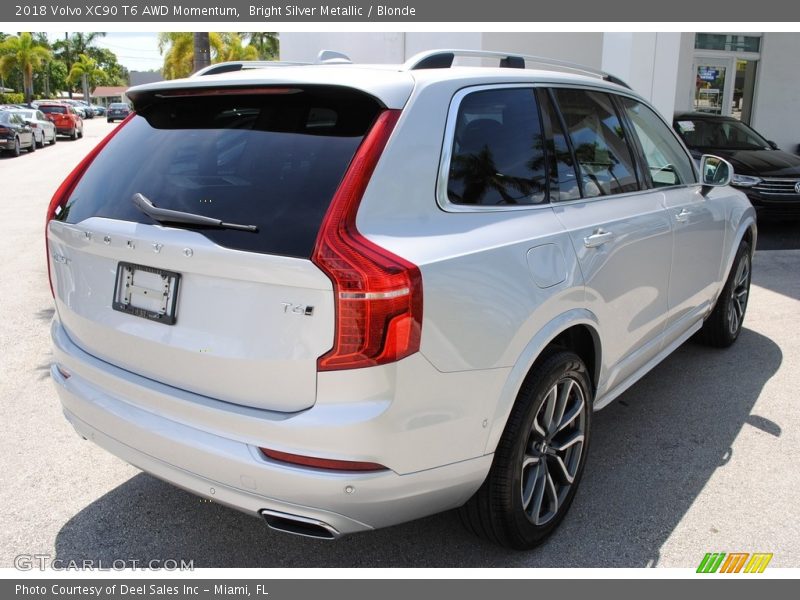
{"x":136,"y":50}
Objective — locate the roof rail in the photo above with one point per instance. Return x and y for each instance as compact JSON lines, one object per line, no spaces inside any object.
{"x":443,"y":59}
{"x":242,"y":65}
{"x":325,"y":57}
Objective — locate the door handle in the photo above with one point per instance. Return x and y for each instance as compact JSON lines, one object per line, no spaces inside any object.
{"x":683,"y":216}
{"x":598,"y":238}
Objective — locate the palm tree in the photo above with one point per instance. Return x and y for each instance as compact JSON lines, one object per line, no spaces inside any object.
{"x":72,"y":46}
{"x":177,"y":47}
{"x":87,"y":71}
{"x":265,"y":42}
{"x":24,"y":53}
{"x":233,"y":49}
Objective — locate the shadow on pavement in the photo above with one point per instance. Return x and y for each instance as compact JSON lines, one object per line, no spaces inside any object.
{"x":775,"y":233}
{"x":652,"y":453}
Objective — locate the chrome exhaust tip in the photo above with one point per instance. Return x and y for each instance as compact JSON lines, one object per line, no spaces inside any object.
{"x":297,"y":525}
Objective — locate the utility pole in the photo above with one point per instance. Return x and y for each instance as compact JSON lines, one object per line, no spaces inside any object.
{"x":202,"y":51}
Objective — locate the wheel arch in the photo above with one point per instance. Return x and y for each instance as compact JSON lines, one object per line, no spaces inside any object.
{"x":576,"y":330}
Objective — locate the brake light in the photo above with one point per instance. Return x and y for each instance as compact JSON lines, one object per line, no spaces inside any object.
{"x":378,"y":295}
{"x":321,"y":463}
{"x":65,"y":190}
{"x":4,"y":130}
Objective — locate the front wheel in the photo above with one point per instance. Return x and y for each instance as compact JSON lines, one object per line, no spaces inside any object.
{"x":724,"y":325}
{"x":540,"y":457}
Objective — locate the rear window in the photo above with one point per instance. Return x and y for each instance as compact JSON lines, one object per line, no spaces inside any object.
{"x":118,"y":106}
{"x":53,"y":109}
{"x":270,"y":160}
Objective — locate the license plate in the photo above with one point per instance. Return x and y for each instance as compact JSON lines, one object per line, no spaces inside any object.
{"x":147,"y":292}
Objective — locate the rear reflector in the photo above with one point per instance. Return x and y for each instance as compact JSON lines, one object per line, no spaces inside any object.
{"x":378,"y":295}
{"x":321,"y":463}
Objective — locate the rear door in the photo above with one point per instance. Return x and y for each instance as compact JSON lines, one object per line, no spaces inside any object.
{"x":237,"y":315}
{"x":619,"y":230}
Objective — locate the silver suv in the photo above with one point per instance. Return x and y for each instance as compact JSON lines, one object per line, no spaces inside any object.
{"x":342,"y":297}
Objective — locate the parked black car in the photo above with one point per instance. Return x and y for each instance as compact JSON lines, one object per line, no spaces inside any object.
{"x":769,"y":176}
{"x":15,"y":134}
{"x":117,"y":111}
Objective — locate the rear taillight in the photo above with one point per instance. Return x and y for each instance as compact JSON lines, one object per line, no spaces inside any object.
{"x":378,"y":295}
{"x":4,"y":131}
{"x":65,"y":190}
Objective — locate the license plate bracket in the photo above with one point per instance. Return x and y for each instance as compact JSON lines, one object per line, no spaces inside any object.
{"x":147,"y":292}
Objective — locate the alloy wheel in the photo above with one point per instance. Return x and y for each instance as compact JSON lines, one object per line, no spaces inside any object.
{"x":553,"y":452}
{"x":739,"y":293}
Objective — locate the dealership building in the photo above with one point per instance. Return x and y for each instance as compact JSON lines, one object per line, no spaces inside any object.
{"x":749,"y":76}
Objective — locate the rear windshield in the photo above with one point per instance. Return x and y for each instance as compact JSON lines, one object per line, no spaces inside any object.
{"x":118,"y":106}
{"x":53,"y":109}
{"x":271,"y":160}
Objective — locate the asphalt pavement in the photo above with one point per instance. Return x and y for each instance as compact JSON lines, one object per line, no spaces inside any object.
{"x":700,"y":456}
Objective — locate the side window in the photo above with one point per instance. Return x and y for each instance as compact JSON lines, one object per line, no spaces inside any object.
{"x":667,"y":162}
{"x":563,"y":177}
{"x":498,"y":156}
{"x":604,"y":157}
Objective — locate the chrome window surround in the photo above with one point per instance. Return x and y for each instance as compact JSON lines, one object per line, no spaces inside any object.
{"x":449,"y":132}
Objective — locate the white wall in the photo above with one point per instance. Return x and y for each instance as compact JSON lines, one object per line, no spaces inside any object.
{"x":648,"y":62}
{"x":583,"y":48}
{"x":684,"y":89}
{"x":776,"y":112}
{"x":360,"y":47}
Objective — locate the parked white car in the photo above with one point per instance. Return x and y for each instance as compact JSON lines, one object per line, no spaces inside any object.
{"x":342,"y":297}
{"x":44,"y":132}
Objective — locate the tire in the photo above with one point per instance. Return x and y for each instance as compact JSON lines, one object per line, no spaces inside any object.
{"x":539,"y":461}
{"x":724,"y":324}
{"x":80,"y":133}
{"x":54,"y":140}
{"x":110,"y":120}
{"x":41,"y":143}
{"x":32,"y":147}
{"x":17,"y":150}
{"x":74,"y":135}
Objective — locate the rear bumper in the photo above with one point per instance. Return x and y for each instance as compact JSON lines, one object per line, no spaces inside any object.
{"x":211,"y":449}
{"x":7,"y":144}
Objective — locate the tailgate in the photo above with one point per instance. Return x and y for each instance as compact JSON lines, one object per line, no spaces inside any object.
{"x":248,"y":327}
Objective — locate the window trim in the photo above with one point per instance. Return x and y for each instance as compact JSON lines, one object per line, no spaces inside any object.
{"x":446,"y":157}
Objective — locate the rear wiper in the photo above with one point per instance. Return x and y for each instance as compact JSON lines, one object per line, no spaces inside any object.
{"x":164,"y":215}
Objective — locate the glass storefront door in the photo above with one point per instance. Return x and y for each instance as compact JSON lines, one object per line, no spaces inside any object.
{"x":724,"y":73}
{"x":713,"y":86}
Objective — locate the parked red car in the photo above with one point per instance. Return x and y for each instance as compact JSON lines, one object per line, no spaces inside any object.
{"x":66,"y":119}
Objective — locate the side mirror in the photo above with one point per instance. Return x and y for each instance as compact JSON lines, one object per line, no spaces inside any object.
{"x":714,"y":172}
{"x":773,"y":145}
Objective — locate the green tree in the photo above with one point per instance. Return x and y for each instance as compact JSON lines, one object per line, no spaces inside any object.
{"x":72,"y":46}
{"x":87,"y":72}
{"x":265,"y":42}
{"x":23,"y":53}
{"x":234,"y":49}
{"x":177,"y":48}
